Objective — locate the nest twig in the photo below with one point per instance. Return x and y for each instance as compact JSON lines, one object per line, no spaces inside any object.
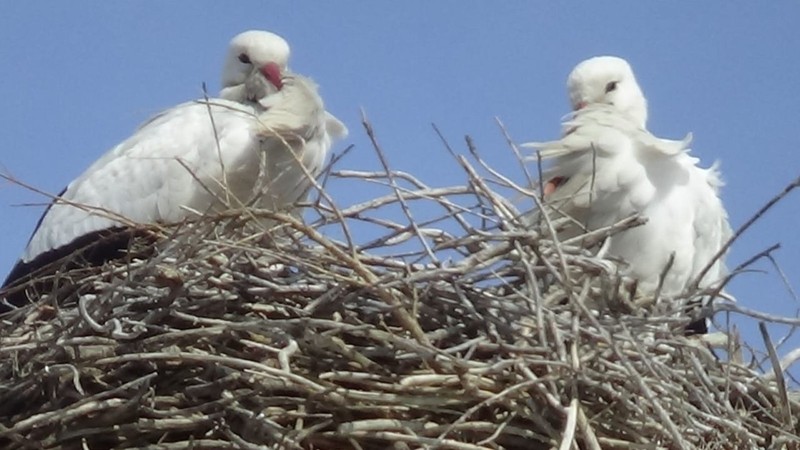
{"x":461,"y":329}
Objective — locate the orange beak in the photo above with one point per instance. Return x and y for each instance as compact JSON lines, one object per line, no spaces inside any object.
{"x":272,"y":73}
{"x":553,"y":184}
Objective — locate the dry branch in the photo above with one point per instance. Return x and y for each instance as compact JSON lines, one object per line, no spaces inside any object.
{"x":469,"y":330}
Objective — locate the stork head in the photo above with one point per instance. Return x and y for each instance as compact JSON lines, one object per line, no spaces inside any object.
{"x":607,"y":80}
{"x":253,"y":53}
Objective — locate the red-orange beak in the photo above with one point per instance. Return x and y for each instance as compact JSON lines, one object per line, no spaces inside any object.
{"x":272,"y":73}
{"x":554,"y":184}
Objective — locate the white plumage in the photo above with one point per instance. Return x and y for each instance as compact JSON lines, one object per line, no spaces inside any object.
{"x":607,"y":167}
{"x":257,"y":51}
{"x":261,"y":148}
{"x":180,"y":163}
{"x":250,"y":53}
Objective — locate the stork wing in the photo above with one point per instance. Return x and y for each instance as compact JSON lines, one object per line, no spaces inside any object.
{"x":173,"y":162}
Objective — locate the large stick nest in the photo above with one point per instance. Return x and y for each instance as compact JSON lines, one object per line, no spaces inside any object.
{"x":467,"y":330}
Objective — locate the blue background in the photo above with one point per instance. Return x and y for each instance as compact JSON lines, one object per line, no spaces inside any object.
{"x":77,"y":77}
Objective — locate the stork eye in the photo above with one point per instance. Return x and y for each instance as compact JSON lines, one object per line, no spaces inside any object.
{"x":611,"y":86}
{"x":244,"y":58}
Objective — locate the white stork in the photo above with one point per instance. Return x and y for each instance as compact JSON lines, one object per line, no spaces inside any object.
{"x":197,"y":157}
{"x":250,"y":52}
{"x":607,"y":167}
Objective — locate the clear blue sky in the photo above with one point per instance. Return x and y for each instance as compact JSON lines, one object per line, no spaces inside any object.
{"x":78,"y":77}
